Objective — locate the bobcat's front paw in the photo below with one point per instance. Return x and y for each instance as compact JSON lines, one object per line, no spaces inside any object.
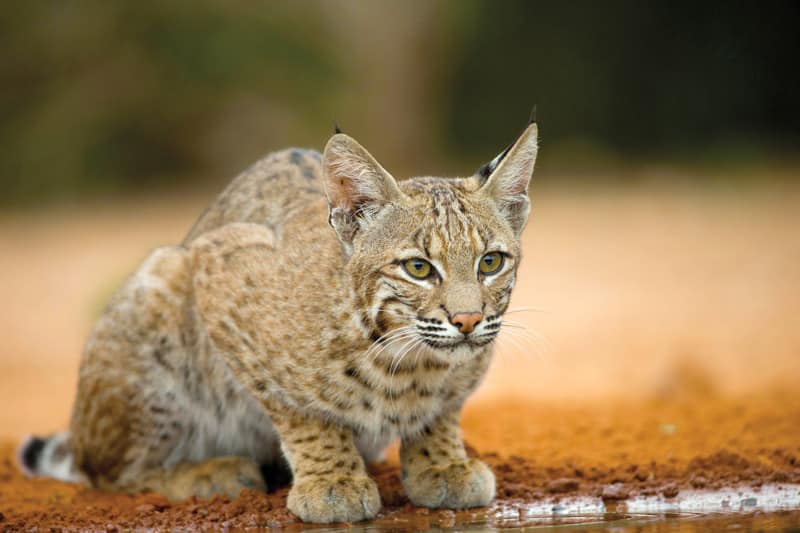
{"x":334,"y":498}
{"x":458,"y":485}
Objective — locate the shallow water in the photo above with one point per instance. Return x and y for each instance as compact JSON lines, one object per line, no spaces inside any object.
{"x":768,"y":508}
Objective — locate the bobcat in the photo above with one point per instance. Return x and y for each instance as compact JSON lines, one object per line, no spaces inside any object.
{"x":269,"y":337}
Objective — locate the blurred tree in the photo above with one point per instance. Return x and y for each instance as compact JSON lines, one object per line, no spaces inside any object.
{"x":106,"y":96}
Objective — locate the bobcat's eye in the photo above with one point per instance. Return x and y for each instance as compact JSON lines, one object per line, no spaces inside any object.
{"x":491,"y":263}
{"x":418,"y":268}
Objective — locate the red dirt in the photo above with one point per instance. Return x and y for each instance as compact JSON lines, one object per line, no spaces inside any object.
{"x":613,"y":452}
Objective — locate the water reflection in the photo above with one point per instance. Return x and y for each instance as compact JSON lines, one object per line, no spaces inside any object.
{"x":770,"y":508}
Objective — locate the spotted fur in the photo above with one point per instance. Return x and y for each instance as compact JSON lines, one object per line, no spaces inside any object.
{"x":270,"y":337}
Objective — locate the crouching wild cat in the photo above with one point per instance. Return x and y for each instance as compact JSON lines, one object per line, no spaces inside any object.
{"x":316,"y":311}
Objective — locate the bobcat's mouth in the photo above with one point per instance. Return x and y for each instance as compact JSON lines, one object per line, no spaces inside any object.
{"x":474,"y":342}
{"x":442,"y":336}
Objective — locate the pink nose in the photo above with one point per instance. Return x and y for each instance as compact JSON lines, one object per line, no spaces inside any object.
{"x":466,"y":322}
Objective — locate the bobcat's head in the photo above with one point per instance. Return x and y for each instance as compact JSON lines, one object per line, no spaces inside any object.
{"x":432,"y":260}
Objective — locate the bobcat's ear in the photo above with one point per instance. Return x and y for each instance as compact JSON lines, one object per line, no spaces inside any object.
{"x":505,"y":178}
{"x":357,"y":186}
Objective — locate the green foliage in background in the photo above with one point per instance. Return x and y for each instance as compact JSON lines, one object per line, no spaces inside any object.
{"x":109,"y":95}
{"x":117,"y":96}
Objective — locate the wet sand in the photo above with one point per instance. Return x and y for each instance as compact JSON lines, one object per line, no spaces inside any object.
{"x":660,"y":352}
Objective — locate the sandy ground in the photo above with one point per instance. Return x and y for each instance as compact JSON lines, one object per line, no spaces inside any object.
{"x":661,"y":348}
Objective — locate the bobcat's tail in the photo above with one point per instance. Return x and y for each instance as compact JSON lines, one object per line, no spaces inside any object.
{"x":49,"y":457}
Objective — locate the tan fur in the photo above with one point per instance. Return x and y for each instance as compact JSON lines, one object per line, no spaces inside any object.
{"x":271,"y":335}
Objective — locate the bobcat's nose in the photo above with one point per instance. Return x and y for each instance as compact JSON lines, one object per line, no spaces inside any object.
{"x":466,"y":322}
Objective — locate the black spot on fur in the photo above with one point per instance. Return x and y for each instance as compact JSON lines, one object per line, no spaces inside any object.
{"x":33,"y":450}
{"x":380,"y":323}
{"x":430,"y":364}
{"x":352,"y":373}
{"x":309,"y":174}
{"x":160,"y":358}
{"x":296,"y":157}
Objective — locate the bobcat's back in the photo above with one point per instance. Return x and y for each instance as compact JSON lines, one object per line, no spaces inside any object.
{"x":270,"y":192}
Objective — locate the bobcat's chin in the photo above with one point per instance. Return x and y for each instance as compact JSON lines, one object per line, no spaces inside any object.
{"x":459,"y":350}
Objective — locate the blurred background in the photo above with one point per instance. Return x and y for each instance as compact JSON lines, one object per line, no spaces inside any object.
{"x":108,"y":97}
{"x":663,"y":251}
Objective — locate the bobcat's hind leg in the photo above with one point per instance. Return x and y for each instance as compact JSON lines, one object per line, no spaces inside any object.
{"x":156,"y":409}
{"x":220,"y":475}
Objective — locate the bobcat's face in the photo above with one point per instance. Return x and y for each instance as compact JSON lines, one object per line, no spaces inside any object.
{"x":439,"y":267}
{"x":432,"y":260}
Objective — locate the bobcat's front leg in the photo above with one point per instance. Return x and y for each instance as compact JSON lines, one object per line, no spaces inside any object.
{"x":330,"y":483}
{"x":437,"y":472}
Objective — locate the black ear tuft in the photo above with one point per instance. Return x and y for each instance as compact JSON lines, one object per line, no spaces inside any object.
{"x":487,"y":168}
{"x":336,"y":128}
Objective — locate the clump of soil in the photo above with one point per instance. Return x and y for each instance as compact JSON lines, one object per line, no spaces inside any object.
{"x":537,"y":452}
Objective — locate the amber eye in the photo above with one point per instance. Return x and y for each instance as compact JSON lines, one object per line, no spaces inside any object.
{"x":491,"y":263}
{"x":418,"y":268}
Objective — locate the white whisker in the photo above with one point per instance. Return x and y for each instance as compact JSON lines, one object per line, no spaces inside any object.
{"x":525,"y":310}
{"x":526,"y":341}
{"x":387,"y":339}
